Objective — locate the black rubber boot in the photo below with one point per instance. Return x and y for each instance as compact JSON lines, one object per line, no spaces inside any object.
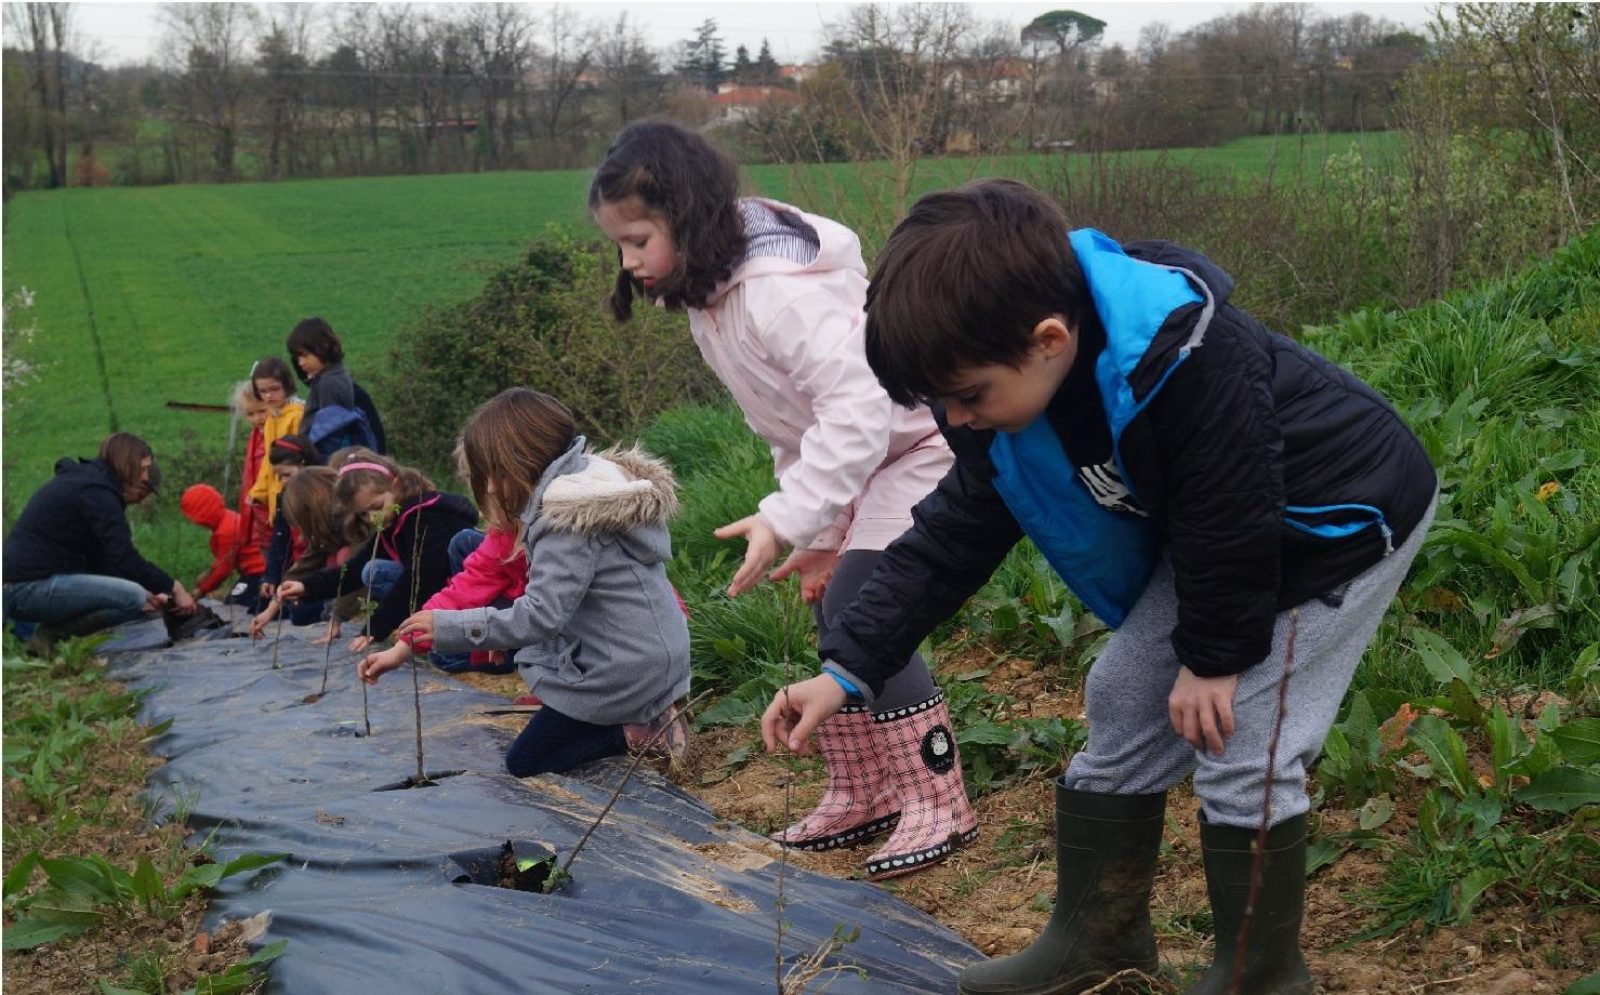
{"x":1106,"y":849}
{"x":1273,"y":964}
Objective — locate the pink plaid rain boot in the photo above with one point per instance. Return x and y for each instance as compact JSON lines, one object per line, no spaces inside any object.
{"x":925,"y":770}
{"x":671,"y":745}
{"x":859,"y":802}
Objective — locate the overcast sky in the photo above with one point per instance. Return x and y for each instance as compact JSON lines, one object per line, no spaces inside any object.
{"x":129,"y":32}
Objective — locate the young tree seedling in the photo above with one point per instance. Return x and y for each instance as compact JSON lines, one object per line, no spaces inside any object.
{"x":561,"y":873}
{"x":416,"y":688}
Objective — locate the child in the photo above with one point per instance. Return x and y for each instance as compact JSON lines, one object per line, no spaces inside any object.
{"x":274,"y":387}
{"x":774,"y":298}
{"x":1208,"y":488}
{"x":333,"y":419}
{"x":604,"y":643}
{"x":231,"y":549}
{"x":411,"y":562}
{"x":310,"y":509}
{"x":288,"y":456}
{"x":254,"y":525}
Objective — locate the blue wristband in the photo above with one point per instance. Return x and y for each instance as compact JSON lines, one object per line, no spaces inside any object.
{"x":850,"y":690}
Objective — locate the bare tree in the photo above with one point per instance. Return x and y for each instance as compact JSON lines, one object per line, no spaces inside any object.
{"x":46,"y":29}
{"x":897,"y":60}
{"x":206,"y":50}
{"x":497,"y":39}
{"x":283,"y":61}
{"x":565,"y":52}
{"x":630,"y":69}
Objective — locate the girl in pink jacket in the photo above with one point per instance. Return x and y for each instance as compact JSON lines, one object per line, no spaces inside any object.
{"x":775,"y":302}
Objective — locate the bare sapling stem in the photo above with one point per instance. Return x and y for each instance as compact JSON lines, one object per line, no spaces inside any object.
{"x":327,"y":652}
{"x":366,"y":629}
{"x":1258,"y":861}
{"x":561,"y":874}
{"x":277,"y":633}
{"x":416,"y":687}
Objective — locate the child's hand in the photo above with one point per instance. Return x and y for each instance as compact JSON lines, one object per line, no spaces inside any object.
{"x":375,"y":665}
{"x":329,"y":634}
{"x":1201,"y":709}
{"x":291,"y":590}
{"x":797,"y":710}
{"x":360,"y":643}
{"x":761,"y":551}
{"x":268,"y":590}
{"x":418,"y":627}
{"x":815,"y":567}
{"x":258,"y":625}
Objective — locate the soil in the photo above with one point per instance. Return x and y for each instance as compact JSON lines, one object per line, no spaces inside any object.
{"x":996,"y":893}
{"x":111,"y":822}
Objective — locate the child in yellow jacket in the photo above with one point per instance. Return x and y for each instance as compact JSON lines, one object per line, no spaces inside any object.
{"x":274,"y":386}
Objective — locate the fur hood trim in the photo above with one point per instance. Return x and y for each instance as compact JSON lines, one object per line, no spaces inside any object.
{"x":618,"y":490}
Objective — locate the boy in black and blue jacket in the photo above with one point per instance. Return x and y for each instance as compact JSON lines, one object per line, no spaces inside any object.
{"x":1210,"y":489}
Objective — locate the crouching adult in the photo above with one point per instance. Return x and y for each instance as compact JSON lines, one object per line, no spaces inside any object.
{"x":70,"y":564}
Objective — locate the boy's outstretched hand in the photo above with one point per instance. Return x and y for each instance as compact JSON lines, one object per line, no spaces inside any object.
{"x":797,"y":710}
{"x":375,"y":665}
{"x":1201,"y":709}
{"x":761,"y":551}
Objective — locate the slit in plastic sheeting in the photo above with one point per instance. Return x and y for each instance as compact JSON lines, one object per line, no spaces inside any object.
{"x":518,"y":865}
{"x":430,"y":778}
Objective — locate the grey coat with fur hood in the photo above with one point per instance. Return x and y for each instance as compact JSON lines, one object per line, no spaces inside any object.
{"x":601,"y":634}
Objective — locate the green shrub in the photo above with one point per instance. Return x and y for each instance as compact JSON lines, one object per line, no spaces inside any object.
{"x":539,"y":323}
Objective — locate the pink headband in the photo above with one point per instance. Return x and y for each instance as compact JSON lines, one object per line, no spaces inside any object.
{"x":366,"y":466}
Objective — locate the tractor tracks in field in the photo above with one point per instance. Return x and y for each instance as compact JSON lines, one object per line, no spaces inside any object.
{"x":94,"y":326}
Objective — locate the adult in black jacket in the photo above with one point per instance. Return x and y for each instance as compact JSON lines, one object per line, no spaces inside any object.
{"x":69,"y":561}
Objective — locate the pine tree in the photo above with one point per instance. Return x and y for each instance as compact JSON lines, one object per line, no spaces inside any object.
{"x":743,"y":69}
{"x":703,"y":59}
{"x":766,"y":67}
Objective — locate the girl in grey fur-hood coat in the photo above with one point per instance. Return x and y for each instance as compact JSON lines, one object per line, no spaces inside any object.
{"x":599,"y":633}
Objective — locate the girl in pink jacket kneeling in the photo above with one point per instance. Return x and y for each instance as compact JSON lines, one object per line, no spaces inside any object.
{"x":775,"y":302}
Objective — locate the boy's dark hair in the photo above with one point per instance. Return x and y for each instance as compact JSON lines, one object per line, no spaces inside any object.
{"x":962,"y":282}
{"x":694,"y":189}
{"x":271,"y":368}
{"x":314,"y":335}
{"x":294,"y":449}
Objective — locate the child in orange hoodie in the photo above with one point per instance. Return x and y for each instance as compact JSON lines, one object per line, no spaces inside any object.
{"x":231,"y":549}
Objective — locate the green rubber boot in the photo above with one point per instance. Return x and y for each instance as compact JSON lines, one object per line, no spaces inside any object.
{"x":1273,"y":964}
{"x":1106,"y":849}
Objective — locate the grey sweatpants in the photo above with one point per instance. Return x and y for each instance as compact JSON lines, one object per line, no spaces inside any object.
{"x":1133,"y":749}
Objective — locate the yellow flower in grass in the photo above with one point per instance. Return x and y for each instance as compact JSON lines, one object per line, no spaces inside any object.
{"x":1548,"y":490}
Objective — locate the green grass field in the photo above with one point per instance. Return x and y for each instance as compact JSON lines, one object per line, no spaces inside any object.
{"x":150,"y":295}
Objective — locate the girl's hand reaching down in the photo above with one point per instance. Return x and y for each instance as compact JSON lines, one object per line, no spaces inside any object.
{"x":258,"y":625}
{"x":761,"y":551}
{"x":375,"y":665}
{"x":815,"y":567}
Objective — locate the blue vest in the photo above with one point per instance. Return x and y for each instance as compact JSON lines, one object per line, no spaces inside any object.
{"x":1105,"y":557}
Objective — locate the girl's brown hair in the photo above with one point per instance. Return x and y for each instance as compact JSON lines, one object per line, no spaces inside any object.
{"x":511,"y":440}
{"x":309,"y":505}
{"x":272,"y":368}
{"x":378,"y":473}
{"x":693,"y":188}
{"x":124,"y":452}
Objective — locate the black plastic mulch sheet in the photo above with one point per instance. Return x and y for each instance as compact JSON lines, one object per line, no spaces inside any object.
{"x":664,"y":898}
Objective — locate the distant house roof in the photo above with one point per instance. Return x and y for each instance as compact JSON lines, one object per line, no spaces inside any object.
{"x":754,"y":96}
